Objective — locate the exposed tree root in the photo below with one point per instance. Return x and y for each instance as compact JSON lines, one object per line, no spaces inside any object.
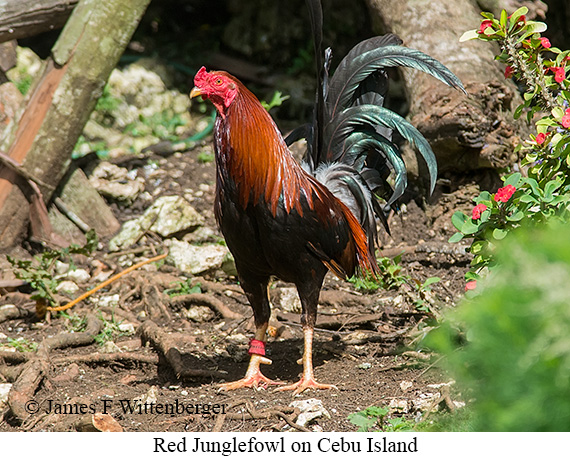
{"x":38,"y":365}
{"x":211,"y":302}
{"x":165,"y":344}
{"x":287,"y":414}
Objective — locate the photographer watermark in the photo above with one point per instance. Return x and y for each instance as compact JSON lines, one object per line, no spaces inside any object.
{"x":126,"y":406}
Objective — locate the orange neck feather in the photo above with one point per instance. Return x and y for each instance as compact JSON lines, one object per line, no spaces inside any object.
{"x":258,"y":158}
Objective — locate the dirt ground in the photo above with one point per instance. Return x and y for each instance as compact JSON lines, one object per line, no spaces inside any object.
{"x":364,"y":343}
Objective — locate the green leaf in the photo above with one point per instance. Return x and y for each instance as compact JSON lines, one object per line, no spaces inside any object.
{"x":430,"y":281}
{"x":516,"y":216}
{"x":458,"y":220}
{"x":513,"y":180}
{"x":503,"y":20}
{"x":469,"y":228}
{"x":499,"y":234}
{"x":456,"y":237}
{"x":522,"y":11}
{"x":469,"y":35}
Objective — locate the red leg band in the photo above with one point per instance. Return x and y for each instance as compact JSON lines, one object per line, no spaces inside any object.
{"x":256,"y":347}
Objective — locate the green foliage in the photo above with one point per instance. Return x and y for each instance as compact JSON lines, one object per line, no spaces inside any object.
{"x":205,"y":157}
{"x":21,"y":344}
{"x":184,"y":288}
{"x":390,"y":276}
{"x":277,"y":100}
{"x":24,"y":83}
{"x":110,"y":331}
{"x":515,"y":363}
{"x":544,"y":193}
{"x":39,"y":272}
{"x":376,"y":417}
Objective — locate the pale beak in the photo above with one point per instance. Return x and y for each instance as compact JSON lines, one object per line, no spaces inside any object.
{"x":195,"y":92}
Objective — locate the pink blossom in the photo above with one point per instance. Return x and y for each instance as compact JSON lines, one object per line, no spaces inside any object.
{"x":545,"y":42}
{"x":540,"y":138}
{"x":566,"y":119}
{"x":505,"y":193}
{"x":476,"y":213}
{"x":559,"y":73}
{"x":484,"y":24}
{"x":470,"y":285}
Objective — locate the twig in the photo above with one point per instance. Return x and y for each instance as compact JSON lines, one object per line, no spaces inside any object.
{"x":71,"y":215}
{"x":105,"y":283}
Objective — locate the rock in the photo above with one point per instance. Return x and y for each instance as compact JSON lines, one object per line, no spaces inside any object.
{"x":311,"y":409}
{"x":288,"y":300}
{"x":148,"y":398}
{"x":172,"y":214}
{"x":114,"y":182}
{"x":67,"y":287}
{"x":109,"y":348}
{"x":400,"y":405}
{"x":199,"y":314}
{"x":79,"y":276}
{"x":201,"y":235}
{"x":166,"y":216}
{"x":127,"y":327}
{"x":61,"y":268}
{"x":4,"y":391}
{"x":406,"y":385}
{"x":364,"y":366}
{"x":193,"y":260}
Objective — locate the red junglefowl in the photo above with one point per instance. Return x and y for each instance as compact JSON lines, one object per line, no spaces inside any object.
{"x":297,"y":222}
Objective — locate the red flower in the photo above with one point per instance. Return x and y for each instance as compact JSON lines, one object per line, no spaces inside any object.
{"x":566,"y":119}
{"x":505,"y":193}
{"x":540,"y":138}
{"x":545,"y":42}
{"x":486,"y":23}
{"x":509,"y":70}
{"x":470,"y":285}
{"x":559,"y":73}
{"x":476,"y":214}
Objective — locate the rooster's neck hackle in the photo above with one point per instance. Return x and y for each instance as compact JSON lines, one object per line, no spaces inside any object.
{"x":252,"y":152}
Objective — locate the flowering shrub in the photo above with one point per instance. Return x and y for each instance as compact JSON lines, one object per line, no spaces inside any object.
{"x":542,"y":190}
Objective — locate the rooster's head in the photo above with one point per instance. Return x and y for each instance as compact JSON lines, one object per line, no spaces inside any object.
{"x":218,"y":86}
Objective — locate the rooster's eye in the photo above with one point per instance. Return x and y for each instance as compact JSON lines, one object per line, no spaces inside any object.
{"x":218,"y":81}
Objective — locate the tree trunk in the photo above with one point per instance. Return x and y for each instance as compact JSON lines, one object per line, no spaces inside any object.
{"x":466,"y":132}
{"x":58,"y":107}
{"x":25,"y":18}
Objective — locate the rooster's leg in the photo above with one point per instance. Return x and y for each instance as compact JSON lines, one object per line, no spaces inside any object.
{"x":307,"y":380}
{"x":256,"y":291}
{"x":309,"y":299}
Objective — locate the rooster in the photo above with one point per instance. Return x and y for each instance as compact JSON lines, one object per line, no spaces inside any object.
{"x":298,"y":222}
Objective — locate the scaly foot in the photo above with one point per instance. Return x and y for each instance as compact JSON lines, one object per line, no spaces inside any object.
{"x":306,"y":383}
{"x":253,"y":377}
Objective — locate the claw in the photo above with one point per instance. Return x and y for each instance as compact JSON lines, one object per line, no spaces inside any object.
{"x":304,"y":384}
{"x":253,"y":377}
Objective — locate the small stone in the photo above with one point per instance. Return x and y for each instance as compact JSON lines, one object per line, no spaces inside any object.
{"x":364,"y":366}
{"x":109,"y":348}
{"x":67,"y":287}
{"x":199,"y":314}
{"x":399,"y":405}
{"x":127,"y":327}
{"x":288,"y":300}
{"x":406,"y":385}
{"x":310,"y":410}
{"x":61,"y":268}
{"x":79,"y":276}
{"x":4,"y":391}
{"x":109,"y":300}
{"x":193,"y":260}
